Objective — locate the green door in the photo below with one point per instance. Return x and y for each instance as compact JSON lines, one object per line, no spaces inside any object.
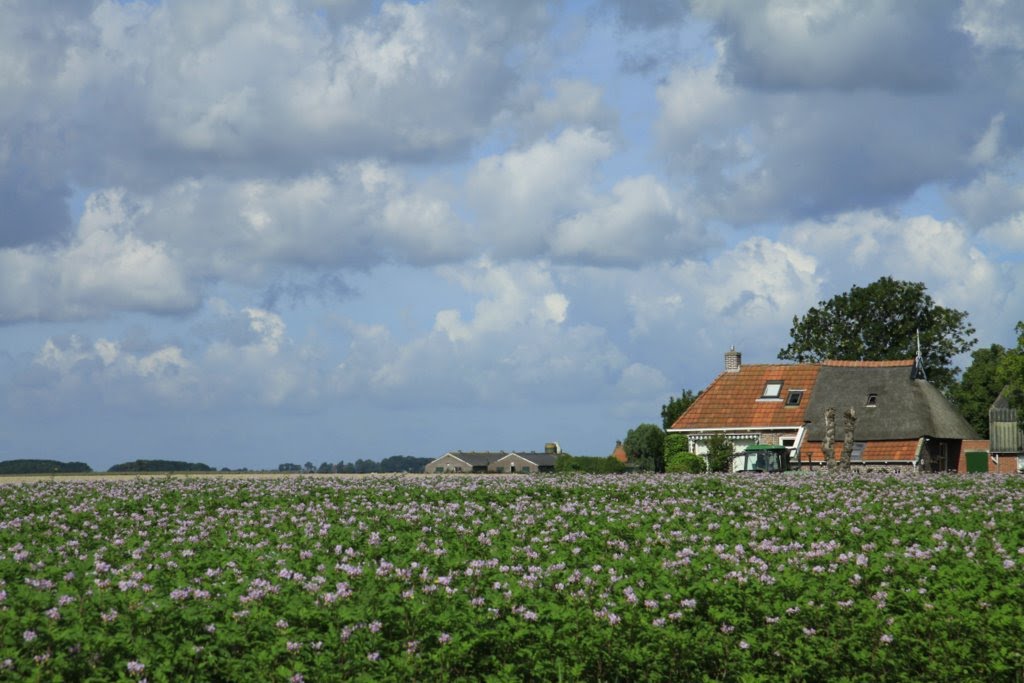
{"x":977,"y":461}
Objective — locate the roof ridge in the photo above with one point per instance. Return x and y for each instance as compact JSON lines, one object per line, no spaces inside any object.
{"x":899,"y":363}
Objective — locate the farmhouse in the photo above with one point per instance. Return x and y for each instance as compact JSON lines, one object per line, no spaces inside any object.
{"x":500,"y":462}
{"x":901,"y":419}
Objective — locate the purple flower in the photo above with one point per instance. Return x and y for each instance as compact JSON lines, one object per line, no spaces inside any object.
{"x":373,"y":656}
{"x":135,"y":668}
{"x":29,"y":636}
{"x":444,"y":638}
{"x":885,"y":639}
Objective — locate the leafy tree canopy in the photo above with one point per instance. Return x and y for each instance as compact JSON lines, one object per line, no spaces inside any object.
{"x":675,"y":407}
{"x":883,"y":321}
{"x":979,"y":386}
{"x":1011,"y":374}
{"x":161,"y":466}
{"x":41,"y":467}
{"x":644,"y":445}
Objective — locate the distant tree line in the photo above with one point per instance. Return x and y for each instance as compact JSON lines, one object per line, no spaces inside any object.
{"x":588,"y":464}
{"x":28,"y":466}
{"x":394,"y":463}
{"x":161,"y":466}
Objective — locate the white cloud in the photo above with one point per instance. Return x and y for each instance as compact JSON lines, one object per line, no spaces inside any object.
{"x":515,"y":296}
{"x":993,"y":24}
{"x":838,"y":44}
{"x":987,"y":148}
{"x":105,"y":267}
{"x":571,"y":104}
{"x":520,"y":195}
{"x":637,"y":222}
{"x":988,"y":199}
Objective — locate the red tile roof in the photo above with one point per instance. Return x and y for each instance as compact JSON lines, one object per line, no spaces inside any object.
{"x":734,"y":399}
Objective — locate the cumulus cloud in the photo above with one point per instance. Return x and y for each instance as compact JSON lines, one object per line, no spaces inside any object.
{"x":795,"y":44}
{"x":356,"y":216}
{"x":105,"y":267}
{"x":92,"y":94}
{"x":518,"y":196}
{"x":636,"y":222}
{"x":518,"y":343}
{"x":854,"y":149}
{"x":571,"y":104}
{"x":92,"y":374}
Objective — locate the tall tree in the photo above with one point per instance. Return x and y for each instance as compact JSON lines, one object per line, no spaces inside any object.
{"x":675,"y":407}
{"x":1011,"y":374}
{"x":883,"y":321}
{"x":645,"y":445}
{"x":979,"y":386}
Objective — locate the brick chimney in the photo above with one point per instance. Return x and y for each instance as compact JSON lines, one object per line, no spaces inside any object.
{"x":732,"y":360}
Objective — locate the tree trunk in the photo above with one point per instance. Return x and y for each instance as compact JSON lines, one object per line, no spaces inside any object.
{"x":828,"y":445}
{"x":850,"y":419}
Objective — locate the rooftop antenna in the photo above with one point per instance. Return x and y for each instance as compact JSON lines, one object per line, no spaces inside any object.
{"x":919,"y":360}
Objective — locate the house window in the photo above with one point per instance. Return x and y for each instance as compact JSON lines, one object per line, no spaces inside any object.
{"x":499,"y":470}
{"x":857,"y":454}
{"x":872,"y":401}
{"x":438,"y":470}
{"x":794,"y":397}
{"x":525,"y":470}
{"x":772,"y":389}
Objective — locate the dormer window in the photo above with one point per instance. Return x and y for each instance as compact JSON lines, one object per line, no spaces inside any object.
{"x":772,"y":389}
{"x":872,"y":401}
{"x":794,"y":397}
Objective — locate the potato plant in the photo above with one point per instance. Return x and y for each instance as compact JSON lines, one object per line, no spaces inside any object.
{"x":508,"y":578}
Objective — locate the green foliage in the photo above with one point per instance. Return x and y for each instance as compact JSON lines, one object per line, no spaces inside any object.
{"x":588,"y":464}
{"x":678,"y":457}
{"x":645,"y":446}
{"x":575,"y":577}
{"x":881,"y":322}
{"x":719,"y":455}
{"x":1011,"y":374}
{"x":979,"y":387}
{"x":28,"y":466}
{"x":675,"y":407}
{"x":685,"y":463}
{"x":160,"y":466}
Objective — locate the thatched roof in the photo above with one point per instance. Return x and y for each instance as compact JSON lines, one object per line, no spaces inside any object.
{"x":903,"y":407}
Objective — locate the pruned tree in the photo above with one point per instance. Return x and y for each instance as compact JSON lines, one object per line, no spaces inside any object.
{"x":849,"y":421}
{"x":829,"y":442}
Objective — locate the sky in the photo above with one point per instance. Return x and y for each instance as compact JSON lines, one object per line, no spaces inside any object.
{"x":262,"y":231}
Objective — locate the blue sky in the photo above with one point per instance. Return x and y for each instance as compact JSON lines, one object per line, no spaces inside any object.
{"x":248,"y":233}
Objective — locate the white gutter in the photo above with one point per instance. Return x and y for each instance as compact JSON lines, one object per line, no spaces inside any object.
{"x":798,"y":444}
{"x":710,"y":430}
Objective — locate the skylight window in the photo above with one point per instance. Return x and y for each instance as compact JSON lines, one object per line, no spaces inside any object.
{"x":772,"y":389}
{"x":872,"y":401}
{"x":794,"y":397}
